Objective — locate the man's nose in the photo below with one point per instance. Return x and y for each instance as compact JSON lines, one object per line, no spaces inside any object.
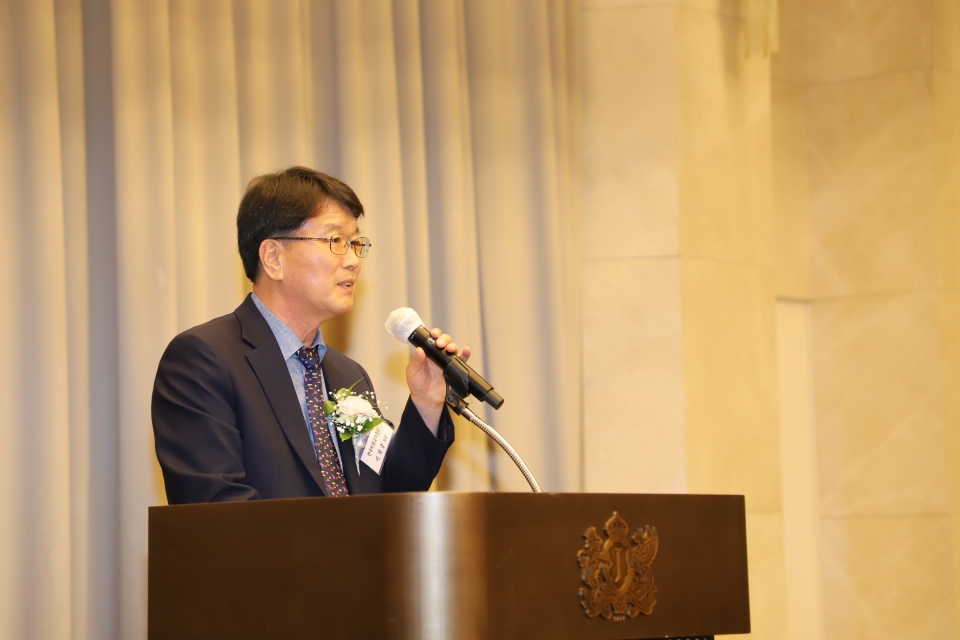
{"x":350,"y":259}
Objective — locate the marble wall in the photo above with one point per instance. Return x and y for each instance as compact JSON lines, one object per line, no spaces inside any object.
{"x":946,"y":134}
{"x":782,"y":293}
{"x":679,"y":322}
{"x":866,"y":221}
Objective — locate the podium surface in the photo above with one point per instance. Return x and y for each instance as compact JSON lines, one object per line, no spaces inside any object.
{"x":444,"y":565}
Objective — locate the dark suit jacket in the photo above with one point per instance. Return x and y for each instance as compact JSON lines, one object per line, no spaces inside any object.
{"x":228,"y":424}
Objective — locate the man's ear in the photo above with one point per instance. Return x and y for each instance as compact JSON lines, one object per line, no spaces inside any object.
{"x":271,"y":259}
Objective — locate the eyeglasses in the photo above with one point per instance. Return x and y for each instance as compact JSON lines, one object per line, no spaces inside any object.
{"x":339,"y":244}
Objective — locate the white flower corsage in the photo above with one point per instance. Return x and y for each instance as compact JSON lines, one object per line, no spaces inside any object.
{"x":354,"y":415}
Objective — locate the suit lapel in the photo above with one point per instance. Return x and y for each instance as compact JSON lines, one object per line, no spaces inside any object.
{"x":364,"y":480}
{"x":267,"y":363}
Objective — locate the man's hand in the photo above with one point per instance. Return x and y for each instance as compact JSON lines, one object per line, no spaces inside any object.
{"x":428,"y":388}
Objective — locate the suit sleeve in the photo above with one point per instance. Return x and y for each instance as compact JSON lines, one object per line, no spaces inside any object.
{"x":195,"y":426}
{"x":415,"y":454}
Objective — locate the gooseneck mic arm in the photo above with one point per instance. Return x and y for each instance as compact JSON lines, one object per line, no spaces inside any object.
{"x":406,"y":326}
{"x":456,"y":391}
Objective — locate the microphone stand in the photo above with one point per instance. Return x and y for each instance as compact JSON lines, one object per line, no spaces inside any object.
{"x":457,"y":390}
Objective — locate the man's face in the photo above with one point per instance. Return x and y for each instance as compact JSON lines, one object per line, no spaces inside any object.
{"x":315,"y":279}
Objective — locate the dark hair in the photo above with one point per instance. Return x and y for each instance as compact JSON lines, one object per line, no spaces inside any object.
{"x":278,"y":203}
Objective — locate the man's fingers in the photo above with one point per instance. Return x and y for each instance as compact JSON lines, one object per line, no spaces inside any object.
{"x":419,"y":357}
{"x":445,"y":342}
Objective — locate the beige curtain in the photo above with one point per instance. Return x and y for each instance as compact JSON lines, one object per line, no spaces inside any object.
{"x":128,"y":130}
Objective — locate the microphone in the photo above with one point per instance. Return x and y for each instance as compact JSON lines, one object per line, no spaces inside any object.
{"x":406,"y":326}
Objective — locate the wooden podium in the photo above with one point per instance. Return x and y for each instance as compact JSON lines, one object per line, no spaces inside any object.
{"x":443,"y":565}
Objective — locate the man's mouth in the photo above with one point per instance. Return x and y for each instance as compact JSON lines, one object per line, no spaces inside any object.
{"x":346,"y":284}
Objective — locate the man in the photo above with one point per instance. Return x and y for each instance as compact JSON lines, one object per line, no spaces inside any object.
{"x":238,"y":401}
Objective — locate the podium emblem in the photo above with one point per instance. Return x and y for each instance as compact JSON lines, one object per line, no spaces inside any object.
{"x":616,"y":570}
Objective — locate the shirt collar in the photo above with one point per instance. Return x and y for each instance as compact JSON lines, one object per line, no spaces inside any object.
{"x":288,"y":340}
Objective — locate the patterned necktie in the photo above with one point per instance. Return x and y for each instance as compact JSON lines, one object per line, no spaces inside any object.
{"x":322,"y":438}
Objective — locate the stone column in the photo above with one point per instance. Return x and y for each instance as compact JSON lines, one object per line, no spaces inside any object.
{"x":680,"y":390}
{"x":866,"y":147}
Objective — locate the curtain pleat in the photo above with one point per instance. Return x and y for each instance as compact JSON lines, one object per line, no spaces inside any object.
{"x":206,"y":146}
{"x":450,"y":244}
{"x":522,"y":226}
{"x":35,"y":497}
{"x":146,"y":270}
{"x":70,"y":79}
{"x":100,"y":586}
{"x":272,"y":85}
{"x":128,"y":131}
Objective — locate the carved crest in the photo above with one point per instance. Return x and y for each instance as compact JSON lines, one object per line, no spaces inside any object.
{"x":617,"y":574}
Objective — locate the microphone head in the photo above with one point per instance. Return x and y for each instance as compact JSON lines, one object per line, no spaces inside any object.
{"x":402,"y":322}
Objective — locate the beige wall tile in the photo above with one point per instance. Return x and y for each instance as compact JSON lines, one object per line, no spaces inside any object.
{"x":950,"y":354}
{"x":768,"y":598}
{"x":871,"y":185}
{"x":724,"y":7}
{"x":729,"y":356}
{"x":634,"y":439}
{"x":729,"y":8}
{"x":946,"y":110}
{"x":879,"y":405}
{"x":798,"y":465}
{"x":791,"y":192}
{"x":790,"y":63}
{"x":888,"y":578}
{"x":725,"y":147}
{"x":856,"y":38}
{"x":950,"y":336}
{"x":955,"y":546}
{"x":946,"y":34}
{"x":630,"y":130}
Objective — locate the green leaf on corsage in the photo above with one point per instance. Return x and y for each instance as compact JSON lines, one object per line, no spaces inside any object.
{"x":370,"y":425}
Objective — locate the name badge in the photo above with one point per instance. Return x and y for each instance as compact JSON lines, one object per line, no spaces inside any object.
{"x":376,"y":449}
